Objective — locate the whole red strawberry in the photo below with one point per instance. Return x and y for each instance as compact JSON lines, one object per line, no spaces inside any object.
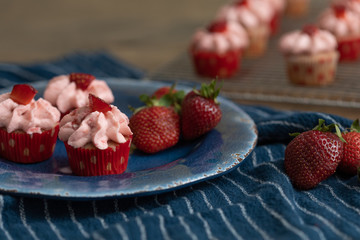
{"x":313,"y":156}
{"x":351,"y":160}
{"x":155,"y":128}
{"x":163,"y":91}
{"x":200,"y":111}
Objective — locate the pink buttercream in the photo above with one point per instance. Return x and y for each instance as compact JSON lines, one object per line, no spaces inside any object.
{"x":63,"y":94}
{"x":81,"y":126}
{"x":253,"y":14}
{"x":234,"y":38}
{"x":34,"y":117}
{"x":298,"y":42}
{"x":348,"y":25}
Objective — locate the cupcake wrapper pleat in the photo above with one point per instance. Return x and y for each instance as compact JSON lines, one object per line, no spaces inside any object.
{"x":28,"y":148}
{"x":97,"y":162}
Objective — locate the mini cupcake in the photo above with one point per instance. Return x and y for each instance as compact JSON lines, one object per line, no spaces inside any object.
{"x":97,"y":138}
{"x":255,"y":19}
{"x":28,"y":128}
{"x":67,"y":92}
{"x":345,"y":25}
{"x":296,"y":8}
{"x":311,"y":56}
{"x":217,"y":50}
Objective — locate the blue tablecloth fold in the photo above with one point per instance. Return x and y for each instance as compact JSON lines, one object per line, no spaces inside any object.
{"x":255,"y":201}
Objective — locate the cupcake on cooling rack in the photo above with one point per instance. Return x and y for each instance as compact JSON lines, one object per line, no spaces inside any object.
{"x":217,"y":50}
{"x":67,"y":92}
{"x":255,"y":17}
{"x":97,"y":138}
{"x":28,"y":127}
{"x":310,"y":55}
{"x":345,"y":25}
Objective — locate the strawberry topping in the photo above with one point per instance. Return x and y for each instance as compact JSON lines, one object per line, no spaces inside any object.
{"x":310,"y":29}
{"x":339,"y":10}
{"x":22,"y":93}
{"x":241,"y":3}
{"x":97,"y":104}
{"x":217,"y":27}
{"x":82,"y":80}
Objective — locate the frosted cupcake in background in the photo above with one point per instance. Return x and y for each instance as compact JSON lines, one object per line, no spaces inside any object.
{"x":255,"y":16}
{"x":345,"y":25}
{"x":297,"y":8}
{"x":97,"y":138}
{"x":310,"y":55}
{"x":216,"y":51}
{"x":67,"y":92}
{"x":28,"y":127}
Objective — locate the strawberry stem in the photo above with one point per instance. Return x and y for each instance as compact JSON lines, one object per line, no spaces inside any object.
{"x":325,"y":128}
{"x":209,"y":91}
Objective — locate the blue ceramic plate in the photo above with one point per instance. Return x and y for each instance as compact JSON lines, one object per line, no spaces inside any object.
{"x":218,"y":152}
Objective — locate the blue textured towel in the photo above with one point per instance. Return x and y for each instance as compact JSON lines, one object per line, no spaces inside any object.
{"x":255,"y":201}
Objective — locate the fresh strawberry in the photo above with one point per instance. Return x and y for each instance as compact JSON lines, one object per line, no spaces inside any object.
{"x":163,"y":91}
{"x":351,"y":160}
{"x":155,"y":128}
{"x":313,"y":156}
{"x":22,"y":93}
{"x":82,"y":80}
{"x":97,"y":104}
{"x":200,"y":111}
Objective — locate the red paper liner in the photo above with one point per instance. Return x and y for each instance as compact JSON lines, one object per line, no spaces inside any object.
{"x":97,"y":162}
{"x":349,"y":49}
{"x":210,"y":64}
{"x":312,"y":70}
{"x":21,"y":147}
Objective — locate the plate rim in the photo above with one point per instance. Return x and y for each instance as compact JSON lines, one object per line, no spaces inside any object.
{"x":121,"y":81}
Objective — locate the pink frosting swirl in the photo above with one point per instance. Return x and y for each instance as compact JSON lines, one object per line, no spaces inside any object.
{"x":35,"y":117}
{"x":63,"y":94}
{"x":348,"y":25}
{"x":252,"y":14}
{"x":81,"y":126}
{"x":234,"y":38}
{"x":299,"y":42}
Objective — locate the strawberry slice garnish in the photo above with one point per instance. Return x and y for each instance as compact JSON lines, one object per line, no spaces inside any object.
{"x":82,"y":80}
{"x":339,"y":10}
{"x":23,"y":93}
{"x":241,"y":3}
{"x":310,"y":29}
{"x":97,"y":104}
{"x":217,"y":27}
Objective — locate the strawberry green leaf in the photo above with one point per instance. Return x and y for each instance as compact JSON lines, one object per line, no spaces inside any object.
{"x":355,"y":126}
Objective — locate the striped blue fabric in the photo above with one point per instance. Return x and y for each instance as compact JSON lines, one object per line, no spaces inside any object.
{"x":255,"y":201}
